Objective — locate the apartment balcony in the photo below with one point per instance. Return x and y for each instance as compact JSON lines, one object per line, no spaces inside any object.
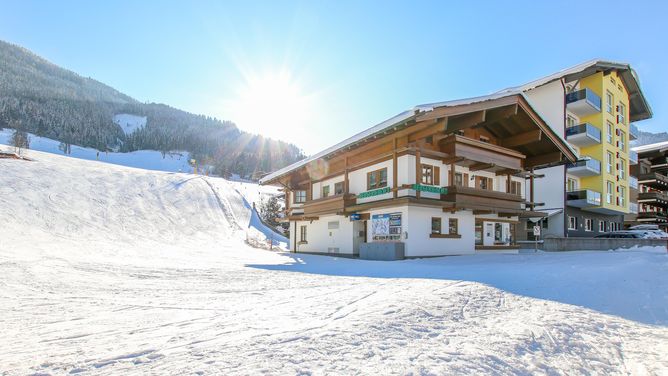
{"x":633,"y":182}
{"x":583,"y":198}
{"x":658,"y":199}
{"x":652,"y":217}
{"x":583,"y":102}
{"x":583,"y":135}
{"x":328,"y":205}
{"x":633,"y":208}
{"x":633,"y":157}
{"x":633,"y":132}
{"x":590,"y":167}
{"x":654,"y":180}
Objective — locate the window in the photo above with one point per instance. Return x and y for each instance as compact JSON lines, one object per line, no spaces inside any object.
{"x":302,"y":234}
{"x":571,"y":185}
{"x":622,"y":196}
{"x":589,"y":224}
{"x":608,"y":162}
{"x":572,"y":223}
{"x":570,"y":121}
{"x":608,"y":101}
{"x":484,"y":139}
{"x":435,"y":225}
{"x":325,"y":190}
{"x":459,"y":179}
{"x":453,"y":226}
{"x":621,"y":116}
{"x":610,"y":127}
{"x":484,"y":183}
{"x":622,"y":140}
{"x":376,"y":179}
{"x":427,"y":174}
{"x":516,"y":188}
{"x":300,"y":197}
{"x":601,"y":226}
{"x":610,"y":187}
{"x":622,"y":168}
{"x":338,"y":188}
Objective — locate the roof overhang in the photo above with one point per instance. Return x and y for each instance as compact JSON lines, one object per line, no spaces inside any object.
{"x":639,"y":107}
{"x":449,"y":109}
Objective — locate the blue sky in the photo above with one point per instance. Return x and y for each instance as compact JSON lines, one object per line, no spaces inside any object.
{"x":348,"y":64}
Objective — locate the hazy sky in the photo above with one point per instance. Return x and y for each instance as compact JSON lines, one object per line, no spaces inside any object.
{"x":316,"y":72}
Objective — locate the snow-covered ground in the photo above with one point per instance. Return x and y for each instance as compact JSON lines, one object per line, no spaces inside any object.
{"x":146,"y":159}
{"x":111,"y":270}
{"x":130,"y":123}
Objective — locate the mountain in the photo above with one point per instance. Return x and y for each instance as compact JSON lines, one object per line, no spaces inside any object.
{"x":39,"y":97}
{"x":646,"y":138}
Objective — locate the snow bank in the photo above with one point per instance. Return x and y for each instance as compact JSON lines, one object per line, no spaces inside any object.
{"x":112,"y":270}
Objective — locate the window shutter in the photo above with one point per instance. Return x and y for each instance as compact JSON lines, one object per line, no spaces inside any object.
{"x":465,"y":183}
{"x":437,"y":175}
{"x":490,"y":184}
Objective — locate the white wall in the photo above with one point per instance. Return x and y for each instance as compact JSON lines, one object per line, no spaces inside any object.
{"x":419,"y":228}
{"x":320,"y":238}
{"x":548,"y":100}
{"x":357,"y":181}
{"x":317,"y":187}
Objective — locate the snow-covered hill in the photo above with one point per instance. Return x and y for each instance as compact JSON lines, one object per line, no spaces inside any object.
{"x":130,"y":123}
{"x":112,"y":270}
{"x":147,"y":159}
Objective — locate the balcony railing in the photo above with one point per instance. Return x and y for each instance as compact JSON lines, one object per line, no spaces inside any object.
{"x":583,"y":135}
{"x":652,"y":217}
{"x":330,"y":204}
{"x":633,"y":132}
{"x":658,"y":199}
{"x":633,"y":182}
{"x":590,"y":167}
{"x":633,"y":157}
{"x":654,"y":180}
{"x":583,"y":102}
{"x":583,"y":198}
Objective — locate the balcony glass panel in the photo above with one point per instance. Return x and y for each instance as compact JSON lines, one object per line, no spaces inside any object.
{"x":583,"y":101}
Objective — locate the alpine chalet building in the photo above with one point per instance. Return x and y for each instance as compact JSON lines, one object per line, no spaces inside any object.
{"x":447,"y":178}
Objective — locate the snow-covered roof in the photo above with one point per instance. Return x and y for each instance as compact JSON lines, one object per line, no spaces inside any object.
{"x":639,"y":106}
{"x":395,"y":121}
{"x":651,"y":147}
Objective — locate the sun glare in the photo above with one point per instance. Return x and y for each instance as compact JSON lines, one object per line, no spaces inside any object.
{"x":272,"y":105}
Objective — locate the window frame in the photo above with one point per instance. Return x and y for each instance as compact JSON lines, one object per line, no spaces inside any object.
{"x":622,"y":168}
{"x":601,"y":226}
{"x":572,"y":223}
{"x":609,"y":100}
{"x":439,"y":222}
{"x":622,"y":196}
{"x":622,"y":112}
{"x":610,"y":135}
{"x":378,"y":176}
{"x":610,"y":188}
{"x":299,"y":198}
{"x":303,"y":234}
{"x":452,"y":221}
{"x":338,"y":185}
{"x":427,"y":174}
{"x":609,"y":160}
{"x":589,"y":225}
{"x":622,"y":140}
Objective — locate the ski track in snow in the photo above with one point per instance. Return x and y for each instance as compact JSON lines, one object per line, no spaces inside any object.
{"x":111,"y":270}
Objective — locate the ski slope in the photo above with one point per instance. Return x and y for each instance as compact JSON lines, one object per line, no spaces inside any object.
{"x":129,"y":123}
{"x":114,"y":270}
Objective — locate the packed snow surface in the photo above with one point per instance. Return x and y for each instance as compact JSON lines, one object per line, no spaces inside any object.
{"x":112,"y":270}
{"x":129,"y":123}
{"x":146,"y":159}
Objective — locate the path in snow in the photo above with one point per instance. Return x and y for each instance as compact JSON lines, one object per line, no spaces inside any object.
{"x":111,"y":270}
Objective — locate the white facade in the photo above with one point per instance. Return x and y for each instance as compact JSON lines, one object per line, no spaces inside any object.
{"x":338,"y":234}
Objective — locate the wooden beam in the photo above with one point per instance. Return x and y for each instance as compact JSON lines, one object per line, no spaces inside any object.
{"x":543,"y":159}
{"x":499,"y":113}
{"x":480,"y":166}
{"x":508,"y":171}
{"x":395,"y":169}
{"x":453,"y":160}
{"x":522,"y":138}
{"x":418,"y":171}
{"x":469,"y":120}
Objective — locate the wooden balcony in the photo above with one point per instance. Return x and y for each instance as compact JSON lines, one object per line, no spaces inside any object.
{"x":476,"y":152}
{"x":484,"y":200}
{"x":659,"y":199}
{"x":328,"y":205}
{"x":654,"y":180}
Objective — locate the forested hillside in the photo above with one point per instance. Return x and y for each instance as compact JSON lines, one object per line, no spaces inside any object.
{"x":39,"y":97}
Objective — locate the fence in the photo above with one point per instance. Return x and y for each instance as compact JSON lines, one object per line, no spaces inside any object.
{"x":594,"y":244}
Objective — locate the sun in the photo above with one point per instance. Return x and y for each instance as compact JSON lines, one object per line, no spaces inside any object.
{"x":273,"y":105}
